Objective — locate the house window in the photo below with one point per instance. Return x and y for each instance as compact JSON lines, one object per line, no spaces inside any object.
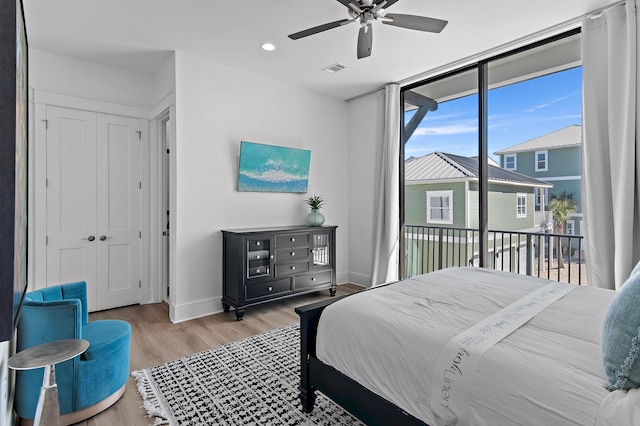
{"x":440,"y":207}
{"x":542,"y":192}
{"x":542,"y":163}
{"x":510,"y":162}
{"x":570,"y":229}
{"x":521,"y":207}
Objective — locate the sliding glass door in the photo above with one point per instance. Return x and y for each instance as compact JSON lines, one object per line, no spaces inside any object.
{"x":488,"y":152}
{"x":440,"y":132}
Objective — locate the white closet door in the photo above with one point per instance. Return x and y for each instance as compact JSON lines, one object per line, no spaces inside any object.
{"x":71,"y":198}
{"x":118,"y":211}
{"x":93,"y":204}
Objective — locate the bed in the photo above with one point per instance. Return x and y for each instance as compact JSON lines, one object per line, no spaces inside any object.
{"x":379,"y":353}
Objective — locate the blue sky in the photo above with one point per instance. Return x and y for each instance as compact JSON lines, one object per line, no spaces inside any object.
{"x":517,"y":113}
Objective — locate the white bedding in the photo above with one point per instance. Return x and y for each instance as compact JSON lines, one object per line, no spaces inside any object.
{"x":548,"y":372}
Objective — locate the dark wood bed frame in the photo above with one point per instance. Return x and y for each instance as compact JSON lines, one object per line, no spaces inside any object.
{"x":367,"y":406}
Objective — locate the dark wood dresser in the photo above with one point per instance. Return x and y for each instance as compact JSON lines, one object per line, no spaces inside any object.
{"x":265,"y":264}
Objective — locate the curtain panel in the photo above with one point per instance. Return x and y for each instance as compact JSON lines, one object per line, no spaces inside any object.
{"x":386,"y":249}
{"x":610,"y":154}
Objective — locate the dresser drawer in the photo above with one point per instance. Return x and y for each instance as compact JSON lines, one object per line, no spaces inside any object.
{"x":311,"y":280}
{"x":279,"y":287}
{"x":291,"y":268}
{"x":292,"y":253}
{"x":253,"y":245}
{"x":258,"y":255}
{"x":290,"y":240}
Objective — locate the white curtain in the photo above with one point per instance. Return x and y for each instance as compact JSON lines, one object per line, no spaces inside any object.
{"x":385,"y":265}
{"x":610,"y":154}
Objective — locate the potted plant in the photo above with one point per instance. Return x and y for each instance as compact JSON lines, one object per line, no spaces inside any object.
{"x":315,"y":218}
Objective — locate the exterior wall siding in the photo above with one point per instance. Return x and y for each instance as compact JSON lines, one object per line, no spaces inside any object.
{"x":416,"y":203}
{"x":502,"y":207}
{"x":561,"y":162}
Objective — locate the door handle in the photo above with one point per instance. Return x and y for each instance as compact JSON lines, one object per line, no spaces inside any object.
{"x":90,"y":238}
{"x":104,"y":237}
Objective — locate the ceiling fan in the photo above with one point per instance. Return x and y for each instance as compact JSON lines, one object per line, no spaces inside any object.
{"x":367,"y":11}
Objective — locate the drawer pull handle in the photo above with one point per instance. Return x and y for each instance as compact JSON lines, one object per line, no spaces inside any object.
{"x":270,"y":288}
{"x":258,"y":243}
{"x":271,"y":257}
{"x":292,"y":239}
{"x":258,"y":257}
{"x":257,"y":271}
{"x":293,"y":253}
{"x":313,"y":278}
{"x":293,"y":268}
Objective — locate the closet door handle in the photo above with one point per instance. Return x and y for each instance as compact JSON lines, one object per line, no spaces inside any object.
{"x":90,"y":238}
{"x":104,"y":237}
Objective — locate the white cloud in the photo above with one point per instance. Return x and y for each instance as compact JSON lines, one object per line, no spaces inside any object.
{"x":470,"y":126}
{"x":551,"y":102}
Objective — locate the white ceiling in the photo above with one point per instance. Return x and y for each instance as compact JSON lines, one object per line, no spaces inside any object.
{"x":137,"y":35}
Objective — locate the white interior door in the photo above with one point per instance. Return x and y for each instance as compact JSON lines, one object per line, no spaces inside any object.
{"x":118,"y":211}
{"x":166,"y":203}
{"x":71,"y":202}
{"x":93,"y":204}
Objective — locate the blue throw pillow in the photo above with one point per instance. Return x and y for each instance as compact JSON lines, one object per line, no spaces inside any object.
{"x":621,"y":337}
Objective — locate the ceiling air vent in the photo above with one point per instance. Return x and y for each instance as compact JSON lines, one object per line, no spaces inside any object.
{"x":331,"y":69}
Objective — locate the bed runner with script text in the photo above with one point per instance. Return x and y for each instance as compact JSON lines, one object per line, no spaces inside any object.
{"x":451,"y":386}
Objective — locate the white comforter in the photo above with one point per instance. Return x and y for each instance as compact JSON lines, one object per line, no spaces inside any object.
{"x":548,"y":372}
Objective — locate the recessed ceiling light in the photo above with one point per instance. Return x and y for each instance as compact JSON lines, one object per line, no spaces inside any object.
{"x":268,"y":46}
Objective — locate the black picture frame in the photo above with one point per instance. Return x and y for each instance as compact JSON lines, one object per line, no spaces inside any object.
{"x":13,"y":165}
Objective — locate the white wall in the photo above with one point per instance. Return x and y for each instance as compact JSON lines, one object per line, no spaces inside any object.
{"x":164,"y":80}
{"x":75,"y":77}
{"x":216,"y":108}
{"x":366,"y":118}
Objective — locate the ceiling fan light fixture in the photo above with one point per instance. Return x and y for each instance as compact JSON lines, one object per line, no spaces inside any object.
{"x":268,"y":46}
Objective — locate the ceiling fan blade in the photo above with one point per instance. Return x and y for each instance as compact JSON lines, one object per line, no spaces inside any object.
{"x":413,"y":22}
{"x":365,"y":41}
{"x":389,"y":3}
{"x":319,"y":29}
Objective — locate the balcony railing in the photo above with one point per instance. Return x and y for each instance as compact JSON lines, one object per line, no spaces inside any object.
{"x":430,"y":248}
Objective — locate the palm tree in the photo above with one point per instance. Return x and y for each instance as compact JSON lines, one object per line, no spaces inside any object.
{"x":561,"y":206}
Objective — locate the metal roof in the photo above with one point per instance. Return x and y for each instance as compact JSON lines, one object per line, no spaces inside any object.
{"x":563,"y":138}
{"x":439,"y":167}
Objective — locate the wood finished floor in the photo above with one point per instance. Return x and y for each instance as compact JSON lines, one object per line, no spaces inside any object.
{"x":155,"y":340}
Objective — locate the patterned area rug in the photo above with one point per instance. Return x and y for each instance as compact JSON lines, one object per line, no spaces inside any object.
{"x":253,"y":381}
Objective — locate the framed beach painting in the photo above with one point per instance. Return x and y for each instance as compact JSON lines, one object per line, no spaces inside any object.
{"x":271,"y":168}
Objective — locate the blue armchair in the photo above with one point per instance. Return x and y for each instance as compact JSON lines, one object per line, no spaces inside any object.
{"x":88,"y":383}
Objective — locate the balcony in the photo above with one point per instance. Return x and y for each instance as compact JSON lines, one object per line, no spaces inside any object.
{"x":430,"y":248}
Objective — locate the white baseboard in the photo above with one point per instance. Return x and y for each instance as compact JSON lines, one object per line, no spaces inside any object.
{"x":342,"y":278}
{"x":359,"y":279}
{"x":193,"y":310}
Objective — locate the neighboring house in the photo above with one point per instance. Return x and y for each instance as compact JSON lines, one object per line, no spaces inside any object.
{"x":441,"y":213}
{"x":442,"y":190}
{"x":555,"y":158}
